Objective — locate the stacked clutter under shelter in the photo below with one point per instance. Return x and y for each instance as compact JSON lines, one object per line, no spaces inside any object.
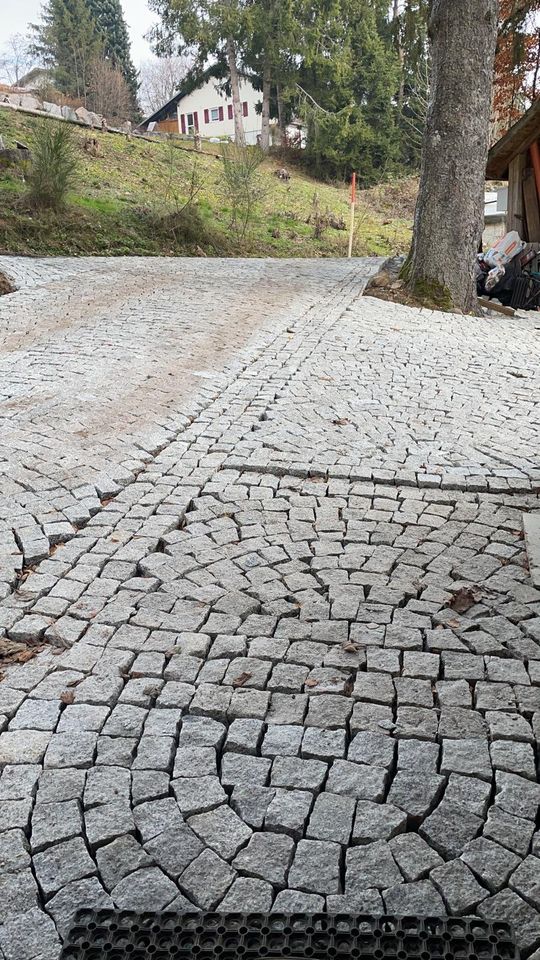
{"x":509,"y":272}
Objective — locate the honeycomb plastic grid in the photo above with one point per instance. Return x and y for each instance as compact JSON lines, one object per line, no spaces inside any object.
{"x":119,"y":935}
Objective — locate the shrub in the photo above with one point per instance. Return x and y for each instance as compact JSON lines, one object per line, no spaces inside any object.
{"x":241,"y":183}
{"x":54,"y":165}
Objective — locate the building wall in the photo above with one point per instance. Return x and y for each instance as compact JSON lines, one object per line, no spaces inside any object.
{"x":201,"y":102}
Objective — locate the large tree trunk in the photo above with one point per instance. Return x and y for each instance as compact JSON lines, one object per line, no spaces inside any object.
{"x":239,"y":135}
{"x":450,"y":207}
{"x":265,"y":116}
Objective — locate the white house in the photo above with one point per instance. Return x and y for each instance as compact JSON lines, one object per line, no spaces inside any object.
{"x":208,"y":110}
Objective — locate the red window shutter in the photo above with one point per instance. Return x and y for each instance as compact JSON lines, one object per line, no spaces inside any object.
{"x":196,"y":120}
{"x":230,"y":111}
{"x":244,"y":108}
{"x":183,"y":123}
{"x":206,"y":116}
{"x":221,"y":113}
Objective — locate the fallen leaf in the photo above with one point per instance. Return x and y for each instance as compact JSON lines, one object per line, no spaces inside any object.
{"x":311,"y":682}
{"x":67,"y":696}
{"x":452,"y":623}
{"x":350,"y":647}
{"x":136,"y":675}
{"x":348,"y":686}
{"x":242,"y":679}
{"x":76,"y":682}
{"x":341,"y":422}
{"x":463,"y":599}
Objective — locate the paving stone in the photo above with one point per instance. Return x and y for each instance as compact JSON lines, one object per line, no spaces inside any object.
{"x":64,"y":862}
{"x":373,"y":749}
{"x":207,"y":880}
{"x":323,"y":744}
{"x":515,"y":833}
{"x":357,"y":780}
{"x":282,"y":740}
{"x":468,"y":757}
{"x":297,"y":901}
{"x":517,"y":795}
{"x":175,"y":848}
{"x":460,"y":890}
{"x":508,"y":907}
{"x":414,"y":857}
{"x":418,"y":755}
{"x":59,"y":785}
{"x":449,"y":828}
{"x":154,"y":817}
{"x":267,"y":856}
{"x":52,"y":822}
{"x":416,"y":794}
{"x":32,"y":934}
{"x":414,"y":899}
{"x":64,"y":905}
{"x":288,"y":812}
{"x":222,"y":830}
{"x":238,"y":769}
{"x":292,"y":773}
{"x":19,"y":781}
{"x":107,"y":785}
{"x":248,"y":895}
{"x":146,"y":889}
{"x":375,"y":821}
{"x":195,"y":762}
{"x":331,"y":818}
{"x":363,"y":902}
{"x":251,"y":803}
{"x":14,"y":851}
{"x":68,"y":750}
{"x":316,"y":867}
{"x":27,"y":746}
{"x":107,"y":821}
{"x":526,"y":880}
{"x":471,"y":794}
{"x":370,"y":865}
{"x":244,"y":736}
{"x":491,"y":863}
{"x":115,"y":860}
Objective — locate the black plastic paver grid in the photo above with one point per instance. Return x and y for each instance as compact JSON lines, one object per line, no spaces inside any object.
{"x":119,"y":935}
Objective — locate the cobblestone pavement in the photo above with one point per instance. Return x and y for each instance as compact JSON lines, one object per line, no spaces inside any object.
{"x":101,"y":365}
{"x":294,"y":662}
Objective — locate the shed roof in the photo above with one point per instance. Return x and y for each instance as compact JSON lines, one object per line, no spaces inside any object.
{"x":518,"y":139}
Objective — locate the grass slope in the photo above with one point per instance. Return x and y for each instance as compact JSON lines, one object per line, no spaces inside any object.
{"x":128,"y":198}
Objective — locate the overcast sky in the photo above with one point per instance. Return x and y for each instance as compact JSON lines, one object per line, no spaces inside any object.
{"x":17,"y":14}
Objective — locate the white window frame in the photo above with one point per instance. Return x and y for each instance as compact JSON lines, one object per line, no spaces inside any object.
{"x":214,"y":110}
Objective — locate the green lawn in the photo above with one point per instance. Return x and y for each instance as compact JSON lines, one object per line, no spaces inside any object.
{"x":129,"y":200}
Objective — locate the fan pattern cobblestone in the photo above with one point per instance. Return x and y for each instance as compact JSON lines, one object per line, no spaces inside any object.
{"x":294,"y":663}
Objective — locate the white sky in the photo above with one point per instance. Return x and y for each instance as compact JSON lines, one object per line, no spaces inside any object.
{"x":15,"y":16}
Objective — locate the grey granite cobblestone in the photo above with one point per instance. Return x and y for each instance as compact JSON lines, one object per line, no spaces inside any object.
{"x":263,"y":689}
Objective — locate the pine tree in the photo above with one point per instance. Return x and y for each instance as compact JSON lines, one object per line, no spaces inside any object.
{"x":108,"y":16}
{"x":68,"y":41}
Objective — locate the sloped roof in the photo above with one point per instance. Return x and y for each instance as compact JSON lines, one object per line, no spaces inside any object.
{"x":192,"y":81}
{"x":518,"y":139}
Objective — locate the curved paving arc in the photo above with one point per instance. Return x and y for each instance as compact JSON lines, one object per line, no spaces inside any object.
{"x":258,"y":693}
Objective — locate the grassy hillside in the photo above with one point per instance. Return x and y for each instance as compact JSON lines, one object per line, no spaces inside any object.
{"x":129,"y":200}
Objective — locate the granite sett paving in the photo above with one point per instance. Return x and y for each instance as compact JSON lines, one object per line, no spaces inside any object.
{"x":292,"y":660}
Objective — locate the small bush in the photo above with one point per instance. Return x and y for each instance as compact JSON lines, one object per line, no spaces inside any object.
{"x":241,"y":184}
{"x":54,"y":165}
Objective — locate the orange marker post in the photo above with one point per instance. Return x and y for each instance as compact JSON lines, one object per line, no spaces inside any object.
{"x":353,"y":205}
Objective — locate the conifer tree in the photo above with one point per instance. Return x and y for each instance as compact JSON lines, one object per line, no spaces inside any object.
{"x":68,"y":41}
{"x":111,"y":26}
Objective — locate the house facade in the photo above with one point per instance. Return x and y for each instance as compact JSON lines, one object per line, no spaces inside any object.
{"x":208,"y":110}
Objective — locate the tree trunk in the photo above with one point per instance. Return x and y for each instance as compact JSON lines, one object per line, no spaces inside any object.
{"x":239,"y":135}
{"x":265,"y":117}
{"x":449,"y":212}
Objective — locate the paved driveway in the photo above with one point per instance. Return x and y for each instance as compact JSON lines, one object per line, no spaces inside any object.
{"x":292,"y":660}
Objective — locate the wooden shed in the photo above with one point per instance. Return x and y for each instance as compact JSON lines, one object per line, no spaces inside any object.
{"x":516,"y":158}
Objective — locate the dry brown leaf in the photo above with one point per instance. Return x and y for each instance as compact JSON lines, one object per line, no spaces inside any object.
{"x":350,"y":647}
{"x":311,"y":682}
{"x":463,"y":599}
{"x":341,"y":422}
{"x":242,"y":679}
{"x":67,"y":696}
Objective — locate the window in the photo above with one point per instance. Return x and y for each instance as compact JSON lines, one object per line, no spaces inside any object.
{"x":214,"y":114}
{"x":190,"y":121}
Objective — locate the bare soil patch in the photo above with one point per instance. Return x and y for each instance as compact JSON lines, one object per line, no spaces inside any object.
{"x":5,"y":285}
